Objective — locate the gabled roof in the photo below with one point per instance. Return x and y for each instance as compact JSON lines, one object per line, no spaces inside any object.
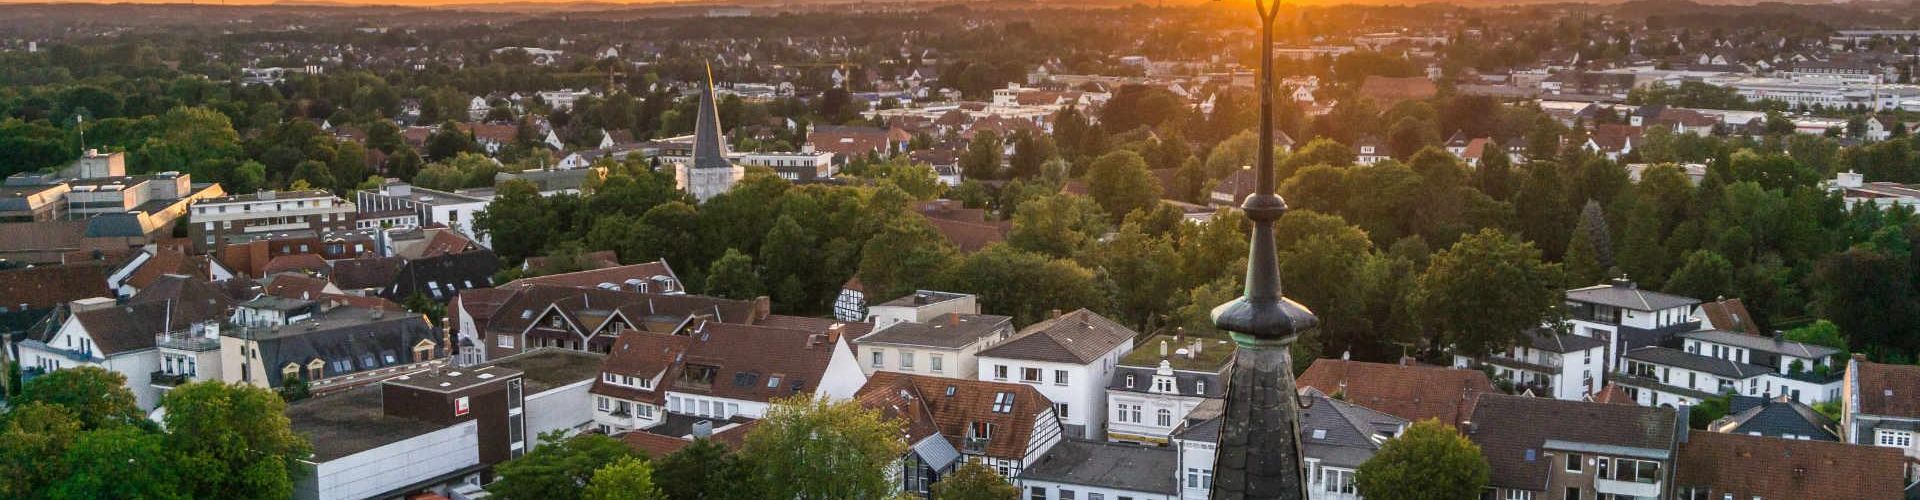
{"x":1343,"y":434}
{"x":1729,"y":314}
{"x":1763,"y":467}
{"x":442,"y":277}
{"x":1078,"y":337}
{"x":946,"y":406}
{"x":366,"y":272}
{"x":1513,"y":433}
{"x":173,"y":304}
{"x":298,"y":263}
{"x":41,"y":287}
{"x":1625,"y":294}
{"x":1413,"y":392}
{"x":1775,"y":417}
{"x":746,"y":360}
{"x":1888,"y":390}
{"x":351,"y":337}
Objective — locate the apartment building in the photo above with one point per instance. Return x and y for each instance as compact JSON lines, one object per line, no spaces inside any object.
{"x":1070,"y":359}
{"x":217,"y":222}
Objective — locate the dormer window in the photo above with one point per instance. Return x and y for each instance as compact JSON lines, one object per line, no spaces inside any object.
{"x":1200,"y":387}
{"x":315,"y":369}
{"x":290,"y":372}
{"x":1161,"y":384}
{"x":423,"y":351}
{"x":1129,"y":381}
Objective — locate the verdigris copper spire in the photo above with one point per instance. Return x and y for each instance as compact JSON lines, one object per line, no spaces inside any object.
{"x":1259,"y":454}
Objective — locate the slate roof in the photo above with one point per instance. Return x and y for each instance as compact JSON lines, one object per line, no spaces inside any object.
{"x":1184,"y":381}
{"x":1626,"y":295}
{"x":442,"y":277}
{"x":1078,"y":337}
{"x":1762,"y":467}
{"x":1774,"y":418}
{"x":1107,"y":465}
{"x":709,"y":146}
{"x":949,"y":414}
{"x":1343,"y":434}
{"x":355,"y":338}
{"x":1512,"y":429}
{"x":1547,"y":340}
{"x":1888,"y":390}
{"x":1681,"y":359}
{"x":527,"y":305}
{"x":1413,"y":392}
{"x":950,"y":331}
{"x":1763,"y":344}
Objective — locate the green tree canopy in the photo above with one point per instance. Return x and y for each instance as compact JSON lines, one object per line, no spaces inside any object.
{"x":1487,"y":291}
{"x":733,"y":276}
{"x":630,"y":478}
{"x":1427,"y":461}
{"x":97,"y":397}
{"x":232,"y":440}
{"x":1120,"y":183}
{"x":559,"y":467}
{"x":820,"y":449}
{"x":974,"y":481}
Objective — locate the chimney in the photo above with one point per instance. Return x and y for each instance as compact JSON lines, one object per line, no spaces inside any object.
{"x":834,"y":331}
{"x":953,"y":319}
{"x":762,"y":307}
{"x":1622,"y":282}
{"x":703,"y":429}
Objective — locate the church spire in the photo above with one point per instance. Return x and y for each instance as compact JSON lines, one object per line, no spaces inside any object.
{"x":709,"y":144}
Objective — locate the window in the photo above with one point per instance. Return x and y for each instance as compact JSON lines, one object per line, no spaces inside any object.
{"x":1059,"y":377}
{"x":1037,"y":493}
{"x":604,"y":403}
{"x":1337,"y":481}
{"x":1162,"y":385}
{"x":934,"y":362}
{"x":1200,"y":387}
{"x":292,"y":371}
{"x":999,"y":372}
{"x":1066,"y":494}
{"x":1163,"y":418}
{"x":906,"y":361}
{"x":315,"y":369}
{"x":1003,"y":402}
{"x":1061,"y":409}
{"x":1129,"y":381}
{"x":1894,"y":438}
{"x":1627,"y":469}
{"x":1030,"y":375}
{"x":879,"y":358}
{"x":1573,"y":462}
{"x":1199,"y":479}
{"x":506,"y":341}
{"x":1096,"y":496}
{"x":1519,"y":495}
{"x":1573,"y":493}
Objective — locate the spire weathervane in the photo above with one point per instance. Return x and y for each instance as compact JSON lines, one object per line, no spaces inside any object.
{"x":1259,"y":454}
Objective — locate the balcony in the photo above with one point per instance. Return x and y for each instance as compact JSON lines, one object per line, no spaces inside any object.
{"x":187,"y":342}
{"x":164,"y":379}
{"x":974,"y":445}
{"x":1627,"y":488}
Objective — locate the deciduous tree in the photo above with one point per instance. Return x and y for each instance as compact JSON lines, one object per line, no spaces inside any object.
{"x":810,"y":448}
{"x":1429,"y":461}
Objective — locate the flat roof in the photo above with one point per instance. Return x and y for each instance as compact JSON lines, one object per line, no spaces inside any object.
{"x":1107,"y":465}
{"x":546,"y":368}
{"x":350,"y":422}
{"x":923,"y":298}
{"x":454,"y":379}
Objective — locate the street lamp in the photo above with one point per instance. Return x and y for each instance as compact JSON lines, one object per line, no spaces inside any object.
{"x":1259,"y":454}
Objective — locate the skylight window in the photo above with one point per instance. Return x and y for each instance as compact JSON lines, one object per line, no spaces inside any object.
{"x":1003,"y":402}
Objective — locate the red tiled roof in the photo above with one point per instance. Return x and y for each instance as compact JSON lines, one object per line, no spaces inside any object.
{"x":1888,"y":390}
{"x":1730,"y":315}
{"x":296,"y":286}
{"x":1763,"y":467}
{"x":304,"y":262}
{"x":950,"y":414}
{"x":1412,"y":392}
{"x":41,"y":287}
{"x":744,"y":361}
